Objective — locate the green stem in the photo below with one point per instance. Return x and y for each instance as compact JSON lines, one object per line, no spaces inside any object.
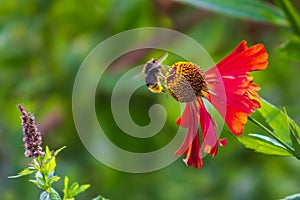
{"x":291,"y":14}
{"x":273,"y":135}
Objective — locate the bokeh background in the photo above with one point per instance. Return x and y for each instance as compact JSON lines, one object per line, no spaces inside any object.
{"x":42,"y":44}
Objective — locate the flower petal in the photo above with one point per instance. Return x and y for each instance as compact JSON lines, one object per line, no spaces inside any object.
{"x":193,"y":155}
{"x":231,"y":86}
{"x":209,"y":130}
{"x":191,"y":143}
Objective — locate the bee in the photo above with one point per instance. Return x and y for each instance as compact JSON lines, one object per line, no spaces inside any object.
{"x":153,"y":75}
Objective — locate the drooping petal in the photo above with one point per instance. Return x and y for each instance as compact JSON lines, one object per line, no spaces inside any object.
{"x":209,"y":130}
{"x":193,"y":154}
{"x":186,"y":117}
{"x":239,"y":95}
{"x":191,"y":143}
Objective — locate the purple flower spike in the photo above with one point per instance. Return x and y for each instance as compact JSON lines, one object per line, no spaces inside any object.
{"x":32,"y":136}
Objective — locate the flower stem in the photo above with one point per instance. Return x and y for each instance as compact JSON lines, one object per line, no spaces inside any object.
{"x":291,"y":14}
{"x":273,"y":135}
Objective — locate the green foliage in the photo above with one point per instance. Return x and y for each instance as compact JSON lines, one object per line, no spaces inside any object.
{"x":276,"y":119}
{"x":292,"y":197}
{"x":263,"y":144}
{"x":52,"y":195}
{"x":295,"y":137}
{"x":247,"y":9}
{"x":99,"y":198}
{"x":291,"y":14}
{"x":44,"y":167}
{"x":24,"y":172}
{"x":285,"y":138}
{"x":71,"y":191}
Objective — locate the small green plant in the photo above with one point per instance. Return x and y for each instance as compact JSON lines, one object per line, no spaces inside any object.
{"x":44,"y":163}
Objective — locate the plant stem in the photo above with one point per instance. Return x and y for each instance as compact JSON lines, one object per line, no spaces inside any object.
{"x":291,"y":14}
{"x":273,"y":135}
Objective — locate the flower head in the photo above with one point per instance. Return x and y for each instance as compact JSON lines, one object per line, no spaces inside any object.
{"x":227,"y":86}
{"x":32,"y":136}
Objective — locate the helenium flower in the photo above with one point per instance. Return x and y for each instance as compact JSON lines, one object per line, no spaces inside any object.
{"x":227,"y":86}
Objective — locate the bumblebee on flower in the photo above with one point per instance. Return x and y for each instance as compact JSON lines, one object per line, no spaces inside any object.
{"x":227,"y":86}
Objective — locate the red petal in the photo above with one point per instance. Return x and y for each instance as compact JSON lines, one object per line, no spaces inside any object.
{"x":189,"y":121}
{"x":242,"y":60}
{"x":223,"y":142}
{"x":191,"y":143}
{"x":209,"y":130}
{"x":240,"y":48}
{"x":193,"y":155}
{"x":231,"y":86}
{"x":186,"y":117}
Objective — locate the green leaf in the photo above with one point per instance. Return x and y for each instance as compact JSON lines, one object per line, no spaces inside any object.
{"x":53,"y":179}
{"x":48,"y":167}
{"x":100,"y":198}
{"x":248,"y":9}
{"x":74,"y":189}
{"x":54,"y":195}
{"x":295,"y":139}
{"x":290,"y":49}
{"x":59,"y":150}
{"x":48,"y":156}
{"x":81,"y":189}
{"x":263,"y":144}
{"x":44,"y":196}
{"x":291,"y":14}
{"x":276,"y":119}
{"x":66,"y":187}
{"x":37,"y":183}
{"x":292,"y":197}
{"x":24,"y":172}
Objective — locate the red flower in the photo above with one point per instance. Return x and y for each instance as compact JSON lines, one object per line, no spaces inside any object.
{"x":227,"y":86}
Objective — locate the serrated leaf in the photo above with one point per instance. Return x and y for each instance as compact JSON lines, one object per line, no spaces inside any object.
{"x":292,"y":197}
{"x":276,"y":119}
{"x":262,"y":145}
{"x":54,"y":195}
{"x":248,"y":9}
{"x":24,"y":172}
{"x":290,"y":49}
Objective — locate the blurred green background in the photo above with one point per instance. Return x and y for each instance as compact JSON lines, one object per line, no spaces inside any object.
{"x":42,"y":44}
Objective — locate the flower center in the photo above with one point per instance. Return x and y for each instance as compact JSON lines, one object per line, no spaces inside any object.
{"x":185,"y":81}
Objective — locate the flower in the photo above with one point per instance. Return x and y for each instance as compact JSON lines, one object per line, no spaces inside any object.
{"x":32,"y":136}
{"x":227,"y":86}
